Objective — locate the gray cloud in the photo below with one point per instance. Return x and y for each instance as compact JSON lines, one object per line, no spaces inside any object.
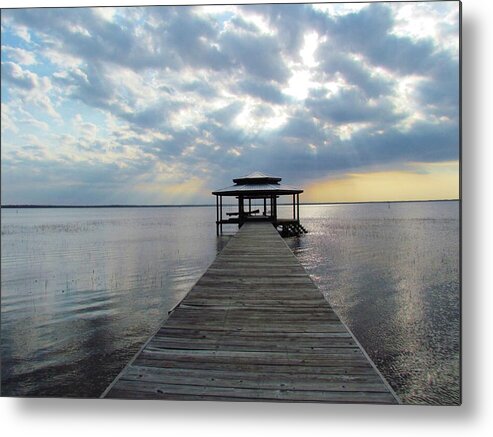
{"x":102,"y":41}
{"x":440,"y":92}
{"x":352,"y":71}
{"x":226,"y":114}
{"x":203,"y":89}
{"x":201,"y":63}
{"x":14,"y":75}
{"x":191,"y":37}
{"x":368,"y":33}
{"x":257,"y":55}
{"x":90,"y":86}
{"x":66,"y":182}
{"x":302,"y":128}
{"x":352,"y":106}
{"x":266,"y":91}
{"x":291,"y":21}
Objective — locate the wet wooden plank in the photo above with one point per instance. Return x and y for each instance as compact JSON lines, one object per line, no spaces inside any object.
{"x":247,"y":343}
{"x":135,"y":389}
{"x":300,"y":337}
{"x":253,"y":377}
{"x":255,"y":380}
{"x":254,"y":327}
{"x":272,"y":369}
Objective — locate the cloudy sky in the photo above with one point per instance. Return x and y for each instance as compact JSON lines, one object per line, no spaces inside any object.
{"x":148,"y":105}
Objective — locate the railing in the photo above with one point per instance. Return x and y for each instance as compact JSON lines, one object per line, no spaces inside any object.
{"x":246,"y":213}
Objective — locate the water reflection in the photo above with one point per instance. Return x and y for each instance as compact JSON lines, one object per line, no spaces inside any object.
{"x":392,"y":274}
{"x":83,"y":289}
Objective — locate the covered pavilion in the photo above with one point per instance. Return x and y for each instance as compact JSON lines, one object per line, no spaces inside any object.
{"x":259,"y":186}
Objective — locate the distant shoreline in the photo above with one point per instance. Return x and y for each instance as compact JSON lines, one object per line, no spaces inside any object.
{"x":210,"y":205}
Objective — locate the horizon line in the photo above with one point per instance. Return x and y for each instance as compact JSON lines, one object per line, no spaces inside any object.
{"x":20,"y":206}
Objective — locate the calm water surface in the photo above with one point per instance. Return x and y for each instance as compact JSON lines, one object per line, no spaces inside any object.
{"x":82,"y":289}
{"x":391,"y":272}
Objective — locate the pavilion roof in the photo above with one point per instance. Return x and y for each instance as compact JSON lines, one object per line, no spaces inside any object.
{"x":257,"y":184}
{"x":256,"y":178}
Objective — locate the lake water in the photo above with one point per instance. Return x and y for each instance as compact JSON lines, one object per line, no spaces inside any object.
{"x":83,"y":289}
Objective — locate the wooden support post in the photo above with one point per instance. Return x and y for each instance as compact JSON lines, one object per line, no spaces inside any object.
{"x":240,"y":210}
{"x":294,"y":211}
{"x":275,"y":208}
{"x":298,"y":207}
{"x":265,"y":206}
{"x":217,"y":216}
{"x":249,"y":205}
{"x":221,"y":213}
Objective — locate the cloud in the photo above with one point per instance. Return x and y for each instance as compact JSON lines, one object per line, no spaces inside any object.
{"x":368,"y":33}
{"x":354,"y":72}
{"x":193,"y":39}
{"x":304,"y":91}
{"x":226,"y":114}
{"x":83,"y":33}
{"x":439,"y":92}
{"x":257,"y":55}
{"x":352,"y":106}
{"x":290,"y":22}
{"x":266,"y":91}
{"x":8,"y":122}
{"x":20,"y":56}
{"x":300,"y":127}
{"x":30,"y":87}
{"x":91,"y":86}
{"x":15,"y":75}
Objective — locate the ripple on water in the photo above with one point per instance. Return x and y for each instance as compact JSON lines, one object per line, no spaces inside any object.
{"x":395,"y":282}
{"x":82,"y":290}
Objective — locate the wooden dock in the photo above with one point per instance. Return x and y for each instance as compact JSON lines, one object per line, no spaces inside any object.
{"x":253,"y":328}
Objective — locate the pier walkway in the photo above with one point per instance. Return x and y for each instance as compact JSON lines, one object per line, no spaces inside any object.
{"x":253,"y":328}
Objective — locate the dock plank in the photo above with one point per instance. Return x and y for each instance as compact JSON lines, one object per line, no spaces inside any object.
{"x":253,"y":328}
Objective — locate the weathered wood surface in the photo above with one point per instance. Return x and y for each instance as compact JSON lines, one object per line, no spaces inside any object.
{"x":253,"y":328}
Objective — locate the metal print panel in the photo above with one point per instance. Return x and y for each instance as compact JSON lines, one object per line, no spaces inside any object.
{"x":235,"y":202}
